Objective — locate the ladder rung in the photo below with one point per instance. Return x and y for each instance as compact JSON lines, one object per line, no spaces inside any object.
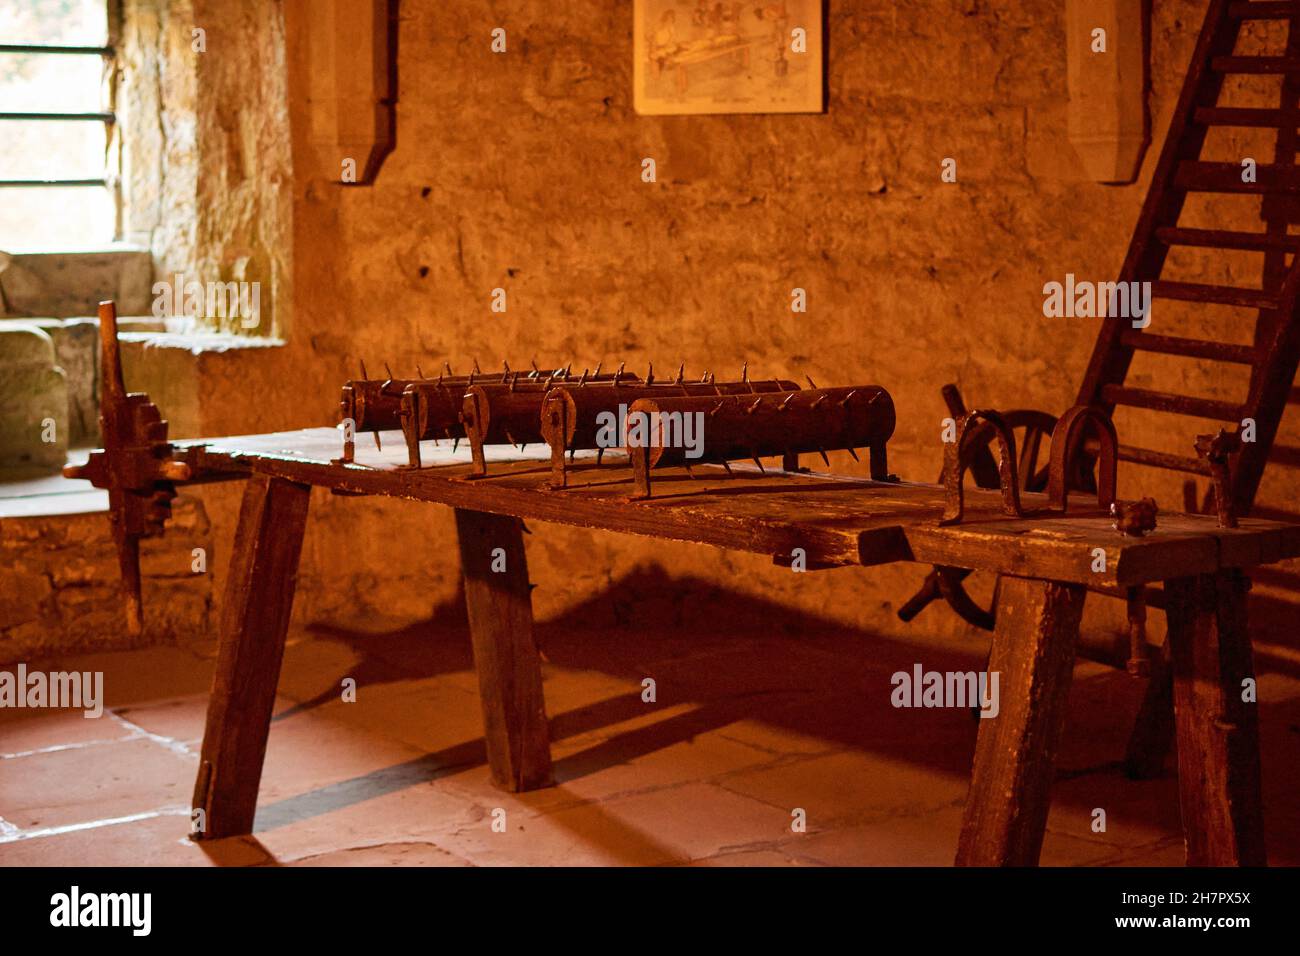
{"x":1255,"y":64}
{"x":1169,"y":402}
{"x":1223,"y":239}
{"x":1241,"y":116}
{"x":1227,"y":178}
{"x":1159,"y":459}
{"x":1263,"y":10}
{"x":1219,"y":294}
{"x":1192,"y":348}
{"x":1156,"y":459}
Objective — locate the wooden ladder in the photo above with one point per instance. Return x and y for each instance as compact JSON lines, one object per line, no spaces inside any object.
{"x":1275,"y":352}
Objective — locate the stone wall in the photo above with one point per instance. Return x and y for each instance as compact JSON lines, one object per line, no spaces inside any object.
{"x":60,"y":588}
{"x":522,"y":171}
{"x":207,"y":162}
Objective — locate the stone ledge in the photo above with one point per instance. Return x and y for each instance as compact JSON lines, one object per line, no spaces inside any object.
{"x":75,"y":282}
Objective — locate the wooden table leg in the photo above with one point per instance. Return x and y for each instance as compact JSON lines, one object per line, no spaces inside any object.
{"x":497,"y":595}
{"x":1218,"y":732}
{"x":254,"y":619}
{"x":1011,"y":782}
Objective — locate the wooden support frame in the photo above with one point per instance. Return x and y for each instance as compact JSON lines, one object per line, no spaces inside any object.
{"x":1218,"y":731}
{"x":498,"y":596}
{"x":254,"y":621}
{"x":1010,"y":792}
{"x":1033,"y":650}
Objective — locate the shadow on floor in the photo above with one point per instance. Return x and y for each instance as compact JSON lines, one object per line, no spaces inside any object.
{"x":736,"y":658}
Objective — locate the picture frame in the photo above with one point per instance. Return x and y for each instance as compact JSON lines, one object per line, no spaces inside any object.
{"x":727,"y":56}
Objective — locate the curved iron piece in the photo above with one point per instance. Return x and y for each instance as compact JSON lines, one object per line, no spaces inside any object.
{"x":957,"y":459}
{"x":1067,"y":440}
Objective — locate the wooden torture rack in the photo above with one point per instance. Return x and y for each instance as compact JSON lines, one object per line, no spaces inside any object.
{"x":1045,"y":553}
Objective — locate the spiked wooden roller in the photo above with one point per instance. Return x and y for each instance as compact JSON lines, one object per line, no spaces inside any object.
{"x":572,"y":415}
{"x":782,"y":423}
{"x":500,"y":414}
{"x":387,"y":404}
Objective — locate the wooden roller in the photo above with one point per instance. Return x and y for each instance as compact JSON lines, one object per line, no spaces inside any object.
{"x":740,"y":426}
{"x":511,"y":414}
{"x":573,"y":417}
{"x":432,"y":404}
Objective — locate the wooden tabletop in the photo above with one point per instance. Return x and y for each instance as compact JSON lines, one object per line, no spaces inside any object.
{"x":837,"y":520}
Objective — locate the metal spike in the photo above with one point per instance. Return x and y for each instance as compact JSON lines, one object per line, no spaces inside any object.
{"x":389,"y":371}
{"x":583,"y":380}
{"x":440,"y":380}
{"x":505,"y":366}
{"x":681,"y":373}
{"x":378,"y":447}
{"x":753,"y":408}
{"x":716,"y":408}
{"x":811,"y":383}
{"x":364,"y":376}
{"x":573,"y":453}
{"x":471,"y":377}
{"x":689,"y":474}
{"x":533,"y":363}
{"x":760,"y":465}
{"x":704,"y":379}
{"x":455,"y":444}
{"x":820,"y":398}
{"x":787,"y":401}
{"x":523,"y":448}
{"x":854,"y":454}
{"x":726,"y":465}
{"x":848,"y":397}
{"x":476,"y":368}
{"x":510,"y":438}
{"x":822,"y":452}
{"x":619,"y":373}
{"x":418,"y":370}
{"x":600,"y":453}
{"x":447,"y":366}
{"x":650,"y":374}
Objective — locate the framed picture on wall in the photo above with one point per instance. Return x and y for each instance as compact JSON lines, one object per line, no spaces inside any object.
{"x":727,"y":56}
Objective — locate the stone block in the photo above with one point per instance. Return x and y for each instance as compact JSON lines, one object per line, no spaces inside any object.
{"x":34,"y":421}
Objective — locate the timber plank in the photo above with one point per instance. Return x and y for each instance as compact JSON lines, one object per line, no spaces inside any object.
{"x":498,"y":598}
{"x":1218,"y":731}
{"x":254,"y":621}
{"x":837,"y":520}
{"x":1010,"y":792}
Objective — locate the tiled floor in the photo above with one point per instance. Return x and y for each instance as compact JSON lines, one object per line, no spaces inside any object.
{"x":746,"y":730}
